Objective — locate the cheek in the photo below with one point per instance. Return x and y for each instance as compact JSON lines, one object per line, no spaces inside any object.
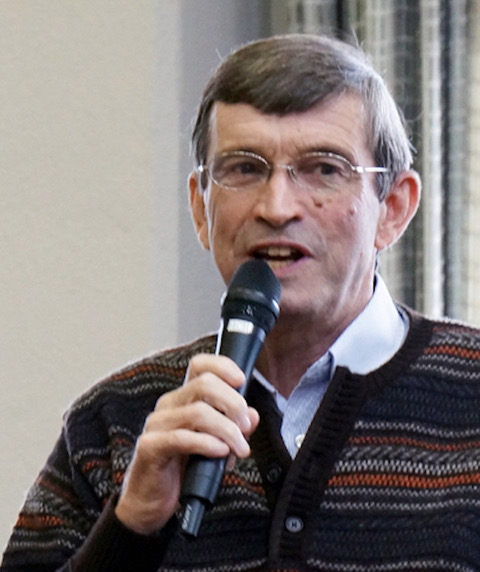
{"x":364,"y":218}
{"x":225,"y":219}
{"x":355,"y":223}
{"x":352,"y":213}
{"x":340,"y":205}
{"x":217,"y":228}
{"x":342,"y":217}
{"x":215,"y":209}
{"x":359,"y":221}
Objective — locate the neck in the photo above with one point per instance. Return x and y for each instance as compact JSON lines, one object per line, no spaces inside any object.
{"x":290,"y":350}
{"x":296,"y":342}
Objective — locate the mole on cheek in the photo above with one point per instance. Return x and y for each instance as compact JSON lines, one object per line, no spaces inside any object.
{"x":352,"y":212}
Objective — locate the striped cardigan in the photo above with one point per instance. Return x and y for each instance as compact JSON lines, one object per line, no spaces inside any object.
{"x":387,"y":478}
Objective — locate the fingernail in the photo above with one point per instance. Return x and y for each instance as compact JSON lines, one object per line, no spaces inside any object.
{"x":244,"y":450}
{"x":245,"y":423}
{"x":231,"y":462}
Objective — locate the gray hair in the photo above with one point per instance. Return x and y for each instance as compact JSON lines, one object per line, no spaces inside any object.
{"x":293,"y":73}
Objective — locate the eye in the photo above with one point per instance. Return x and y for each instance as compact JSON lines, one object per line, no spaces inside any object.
{"x":238,"y":170}
{"x":241,"y":165}
{"x":247,"y":166}
{"x":318,"y":170}
{"x":321,"y":166}
{"x":326,"y":167}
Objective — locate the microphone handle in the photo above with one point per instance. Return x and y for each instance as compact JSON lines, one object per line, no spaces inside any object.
{"x":242,"y":341}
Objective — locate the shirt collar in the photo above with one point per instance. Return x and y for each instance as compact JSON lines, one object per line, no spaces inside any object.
{"x":373,"y":337}
{"x":368,"y":342}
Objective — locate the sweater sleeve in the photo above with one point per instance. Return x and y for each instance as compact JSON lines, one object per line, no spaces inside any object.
{"x":68,"y":518}
{"x":111,"y":546}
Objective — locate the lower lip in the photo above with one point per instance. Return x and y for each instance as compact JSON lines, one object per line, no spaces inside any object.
{"x":284,"y":267}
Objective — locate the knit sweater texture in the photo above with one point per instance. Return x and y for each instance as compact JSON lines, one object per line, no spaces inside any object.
{"x":386,"y":480}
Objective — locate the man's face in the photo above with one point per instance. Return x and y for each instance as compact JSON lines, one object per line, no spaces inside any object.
{"x":322,"y":246}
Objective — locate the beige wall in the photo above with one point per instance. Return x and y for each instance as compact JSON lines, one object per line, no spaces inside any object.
{"x":99,"y":263}
{"x":76,"y":217}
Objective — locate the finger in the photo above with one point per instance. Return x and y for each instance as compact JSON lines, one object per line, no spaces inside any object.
{"x":158,"y":448}
{"x":254,"y":421}
{"x":209,"y":389}
{"x":221,"y":366}
{"x":200,"y":418}
{"x":231,"y":462}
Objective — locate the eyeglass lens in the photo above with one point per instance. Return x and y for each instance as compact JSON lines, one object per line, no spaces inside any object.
{"x":312,"y":171}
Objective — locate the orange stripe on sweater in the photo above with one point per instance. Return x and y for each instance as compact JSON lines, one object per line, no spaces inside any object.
{"x":38,"y":522}
{"x":232,"y":480}
{"x":93,"y":464}
{"x":455,"y":351}
{"x":140,"y":369}
{"x":56,"y":490}
{"x":403,"y":481}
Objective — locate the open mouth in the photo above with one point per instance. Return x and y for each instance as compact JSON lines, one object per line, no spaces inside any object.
{"x":278,"y":256}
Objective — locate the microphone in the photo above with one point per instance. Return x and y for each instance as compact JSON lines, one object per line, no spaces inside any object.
{"x":250,"y":308}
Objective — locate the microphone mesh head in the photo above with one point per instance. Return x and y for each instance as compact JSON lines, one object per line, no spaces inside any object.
{"x":253,"y":291}
{"x":256,"y":275}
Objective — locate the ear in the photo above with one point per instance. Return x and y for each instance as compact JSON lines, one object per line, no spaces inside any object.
{"x":197,"y":207}
{"x":398,"y":208}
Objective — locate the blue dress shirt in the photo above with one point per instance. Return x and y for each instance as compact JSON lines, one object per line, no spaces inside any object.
{"x":368,"y":342}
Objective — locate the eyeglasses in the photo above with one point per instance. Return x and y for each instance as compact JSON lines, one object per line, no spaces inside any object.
{"x":315,"y":171}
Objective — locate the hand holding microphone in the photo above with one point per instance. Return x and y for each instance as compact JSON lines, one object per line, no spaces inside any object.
{"x":206,"y":418}
{"x":249,"y":311}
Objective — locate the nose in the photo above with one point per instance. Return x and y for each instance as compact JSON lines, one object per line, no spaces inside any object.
{"x":278,"y":200}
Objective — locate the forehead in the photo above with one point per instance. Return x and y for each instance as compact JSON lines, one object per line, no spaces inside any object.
{"x":337,"y":124}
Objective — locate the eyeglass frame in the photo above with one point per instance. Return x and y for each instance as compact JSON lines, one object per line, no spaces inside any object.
{"x":359,"y":169}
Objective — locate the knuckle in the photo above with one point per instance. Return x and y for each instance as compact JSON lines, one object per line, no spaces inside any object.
{"x":195,"y":413}
{"x":149,"y":423}
{"x":198,"y":363}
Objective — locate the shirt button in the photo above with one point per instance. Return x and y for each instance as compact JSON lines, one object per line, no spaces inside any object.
{"x":274,"y":472}
{"x":299,"y":440}
{"x":294,"y":524}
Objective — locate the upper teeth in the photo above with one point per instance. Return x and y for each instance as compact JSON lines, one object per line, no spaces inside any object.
{"x":278,"y":251}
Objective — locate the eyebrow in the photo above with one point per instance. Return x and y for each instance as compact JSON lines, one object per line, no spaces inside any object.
{"x":330,"y":149}
{"x":303,"y":151}
{"x":239,"y":150}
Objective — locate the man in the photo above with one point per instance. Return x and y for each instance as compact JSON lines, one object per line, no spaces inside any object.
{"x":357,"y":447}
